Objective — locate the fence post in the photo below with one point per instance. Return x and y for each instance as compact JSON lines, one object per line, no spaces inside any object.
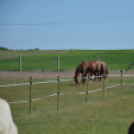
{"x":58,"y":93}
{"x":58,"y":64}
{"x":121,"y":81}
{"x":103,"y":84}
{"x":98,"y":58}
{"x":87,"y":88}
{"x":30,"y":101}
{"x":20,"y":58}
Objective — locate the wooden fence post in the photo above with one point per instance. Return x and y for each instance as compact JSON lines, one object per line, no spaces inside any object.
{"x":103,"y":84}
{"x":58,"y":64}
{"x":58,"y":93}
{"x":121,"y":81}
{"x":98,"y":58}
{"x":87,"y":87}
{"x":20,"y":59}
{"x":30,"y":101}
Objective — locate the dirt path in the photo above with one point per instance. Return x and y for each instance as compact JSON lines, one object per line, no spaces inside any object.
{"x":49,"y":74}
{"x":36,"y":74}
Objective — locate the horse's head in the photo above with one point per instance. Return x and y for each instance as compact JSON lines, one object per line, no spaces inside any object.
{"x":77,"y":73}
{"x":76,"y":80}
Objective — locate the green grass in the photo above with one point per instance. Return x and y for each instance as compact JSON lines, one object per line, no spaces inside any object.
{"x":111,"y":114}
{"x":69,"y":59}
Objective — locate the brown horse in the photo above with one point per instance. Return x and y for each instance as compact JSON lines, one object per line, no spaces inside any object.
{"x":103,"y":67}
{"x":96,"y":68}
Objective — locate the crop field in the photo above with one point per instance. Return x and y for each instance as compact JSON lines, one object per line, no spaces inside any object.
{"x":106,"y":109}
{"x":69,"y":59}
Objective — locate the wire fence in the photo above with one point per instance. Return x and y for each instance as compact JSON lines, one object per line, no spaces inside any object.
{"x":67,"y":93}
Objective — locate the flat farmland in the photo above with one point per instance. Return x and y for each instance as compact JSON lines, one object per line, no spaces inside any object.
{"x":100,"y":111}
{"x":69,"y":59}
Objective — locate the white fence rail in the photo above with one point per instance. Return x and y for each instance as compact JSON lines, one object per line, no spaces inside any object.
{"x":62,"y":80}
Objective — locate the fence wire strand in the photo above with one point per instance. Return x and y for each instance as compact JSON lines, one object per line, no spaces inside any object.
{"x":63,"y":80}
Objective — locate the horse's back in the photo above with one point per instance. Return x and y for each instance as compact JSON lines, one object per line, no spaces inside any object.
{"x":87,"y":66}
{"x":84,"y":63}
{"x":80,"y":67}
{"x":92,"y":66}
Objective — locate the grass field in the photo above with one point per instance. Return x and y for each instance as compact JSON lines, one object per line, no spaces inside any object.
{"x":111,"y":114}
{"x":69,"y":59}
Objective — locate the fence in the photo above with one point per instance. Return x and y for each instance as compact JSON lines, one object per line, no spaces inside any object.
{"x":20,"y":63}
{"x":60,"y":93}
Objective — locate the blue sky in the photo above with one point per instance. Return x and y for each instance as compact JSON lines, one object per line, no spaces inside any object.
{"x":67,"y":24}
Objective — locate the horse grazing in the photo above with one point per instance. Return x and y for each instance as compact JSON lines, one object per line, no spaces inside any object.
{"x":101,"y":69}
{"x":96,"y":68}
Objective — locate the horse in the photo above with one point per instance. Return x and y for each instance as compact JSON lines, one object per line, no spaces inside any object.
{"x":104,"y":70}
{"x":96,"y":68}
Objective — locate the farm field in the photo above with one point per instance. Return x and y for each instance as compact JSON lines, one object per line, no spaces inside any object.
{"x":101,"y":111}
{"x":109,"y":114}
{"x":69,"y":59}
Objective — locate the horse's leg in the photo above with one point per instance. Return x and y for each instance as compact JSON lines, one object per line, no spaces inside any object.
{"x":105,"y":75}
{"x":95,"y":77}
{"x":91,"y":74}
{"x":99,"y":78}
{"x":84,"y":74}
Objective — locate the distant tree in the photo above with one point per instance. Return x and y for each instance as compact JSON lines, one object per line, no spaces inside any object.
{"x":36,"y":48}
{"x":30,"y":50}
{"x":3,"y":48}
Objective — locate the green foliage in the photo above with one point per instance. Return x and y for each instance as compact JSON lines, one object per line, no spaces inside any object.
{"x":69,"y":60}
{"x":3,"y":49}
{"x":36,"y":48}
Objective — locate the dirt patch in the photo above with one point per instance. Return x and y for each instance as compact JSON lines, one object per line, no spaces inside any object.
{"x":50,"y":74}
{"x":37,"y":74}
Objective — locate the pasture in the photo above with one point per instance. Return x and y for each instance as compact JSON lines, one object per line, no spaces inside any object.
{"x":107,"y":111}
{"x":69,"y":59}
{"x":111,"y":114}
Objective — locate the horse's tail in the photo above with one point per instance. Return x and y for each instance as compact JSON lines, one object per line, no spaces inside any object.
{"x":104,"y":69}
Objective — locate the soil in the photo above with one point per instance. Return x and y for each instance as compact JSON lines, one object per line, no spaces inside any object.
{"x":50,"y":74}
{"x":37,"y":74}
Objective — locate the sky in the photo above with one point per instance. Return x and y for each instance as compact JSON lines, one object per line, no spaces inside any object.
{"x":67,"y":24}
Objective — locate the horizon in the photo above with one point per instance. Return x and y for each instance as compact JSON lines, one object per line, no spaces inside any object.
{"x":36,"y":49}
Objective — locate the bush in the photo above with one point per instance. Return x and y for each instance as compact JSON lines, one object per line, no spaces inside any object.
{"x":36,"y":48}
{"x":3,"y":48}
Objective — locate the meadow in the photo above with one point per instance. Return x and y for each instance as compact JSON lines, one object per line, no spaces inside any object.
{"x":107,"y":111}
{"x":110,"y":113}
{"x":69,"y":59}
